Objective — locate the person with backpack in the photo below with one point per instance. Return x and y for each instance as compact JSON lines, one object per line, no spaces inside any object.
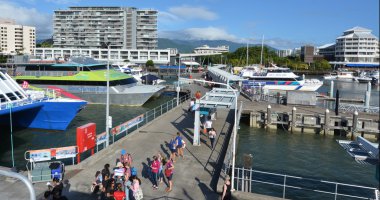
{"x":179,"y":141}
{"x":173,"y":148}
{"x":155,"y":166}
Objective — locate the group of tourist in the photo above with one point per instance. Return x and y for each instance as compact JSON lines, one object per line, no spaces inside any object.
{"x":120,"y":183}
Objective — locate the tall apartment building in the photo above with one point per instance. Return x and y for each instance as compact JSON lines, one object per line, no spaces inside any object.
{"x":16,"y":38}
{"x":90,"y":27}
{"x":357,"y":45}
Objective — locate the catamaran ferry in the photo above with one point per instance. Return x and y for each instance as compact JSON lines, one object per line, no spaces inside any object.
{"x":277,"y":78}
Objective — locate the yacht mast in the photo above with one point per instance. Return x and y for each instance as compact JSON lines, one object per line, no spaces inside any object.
{"x":262,"y":47}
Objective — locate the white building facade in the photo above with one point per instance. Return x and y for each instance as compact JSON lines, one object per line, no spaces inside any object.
{"x":205,"y":49}
{"x":284,"y":52}
{"x":357,"y":45}
{"x":15,"y":39}
{"x":91,"y":27}
{"x":116,"y":55}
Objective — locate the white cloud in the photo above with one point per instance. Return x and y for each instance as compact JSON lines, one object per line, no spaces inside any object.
{"x":189,"y":13}
{"x":28,"y":17}
{"x":208,"y":33}
{"x":167,"y":18}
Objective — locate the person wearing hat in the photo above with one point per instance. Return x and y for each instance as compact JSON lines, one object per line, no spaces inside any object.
{"x":119,"y":172}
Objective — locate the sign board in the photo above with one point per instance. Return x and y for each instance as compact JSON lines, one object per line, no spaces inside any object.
{"x":65,"y":152}
{"x":40,"y":155}
{"x":127,"y":125}
{"x":101,"y":138}
{"x":86,"y":136}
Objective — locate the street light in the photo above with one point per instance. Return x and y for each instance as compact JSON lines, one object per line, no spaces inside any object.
{"x":108,"y":118}
{"x":179,"y":69}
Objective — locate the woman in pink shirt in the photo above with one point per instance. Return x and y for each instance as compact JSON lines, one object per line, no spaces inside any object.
{"x":155,"y":166}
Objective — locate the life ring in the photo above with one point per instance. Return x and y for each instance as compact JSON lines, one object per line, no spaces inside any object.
{"x":18,"y":74}
{"x":69,"y":73}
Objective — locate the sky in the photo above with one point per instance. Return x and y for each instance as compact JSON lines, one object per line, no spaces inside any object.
{"x":283,"y":23}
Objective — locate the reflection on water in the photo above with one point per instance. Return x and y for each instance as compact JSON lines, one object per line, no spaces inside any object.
{"x":352,"y":90}
{"x":302,"y":154}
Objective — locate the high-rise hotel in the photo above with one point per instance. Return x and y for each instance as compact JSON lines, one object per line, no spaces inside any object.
{"x":357,"y":45}
{"x":16,"y":38}
{"x":91,"y":27}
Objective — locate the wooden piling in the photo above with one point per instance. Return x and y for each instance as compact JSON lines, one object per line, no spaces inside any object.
{"x":326,"y":125}
{"x":269,"y":114}
{"x":293,"y":124}
{"x":354,"y":124}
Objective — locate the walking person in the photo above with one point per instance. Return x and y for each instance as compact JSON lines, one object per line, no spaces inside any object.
{"x":173,"y":148}
{"x":160,"y":171}
{"x":179,"y":144}
{"x":212,"y":136}
{"x":227,"y":189}
{"x":208,"y":124}
{"x":155,"y":166}
{"x":169,"y":170}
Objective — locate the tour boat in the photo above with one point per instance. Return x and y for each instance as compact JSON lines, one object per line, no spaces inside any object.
{"x":35,"y":109}
{"x":277,"y":78}
{"x":86,"y":78}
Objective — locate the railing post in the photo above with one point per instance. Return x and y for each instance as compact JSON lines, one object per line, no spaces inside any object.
{"x":283,"y":192}
{"x":146,"y":117}
{"x":336,"y":190}
{"x":161,"y":109}
{"x":154,"y":113}
{"x":242,"y":180}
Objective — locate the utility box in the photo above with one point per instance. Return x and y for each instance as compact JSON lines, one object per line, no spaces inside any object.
{"x":301,"y":98}
{"x":86,"y":136}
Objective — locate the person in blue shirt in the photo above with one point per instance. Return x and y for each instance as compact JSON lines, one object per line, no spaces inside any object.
{"x":180,"y":144}
{"x":173,"y":148}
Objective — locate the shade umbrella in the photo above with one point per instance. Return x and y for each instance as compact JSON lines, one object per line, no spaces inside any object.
{"x":149,"y":78}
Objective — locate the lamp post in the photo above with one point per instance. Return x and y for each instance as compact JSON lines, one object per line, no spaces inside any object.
{"x":179,"y":69}
{"x":11,"y":128}
{"x":108,"y":119}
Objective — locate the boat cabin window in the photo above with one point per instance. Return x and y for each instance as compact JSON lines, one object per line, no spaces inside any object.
{"x":95,"y":67}
{"x":2,"y":98}
{"x":81,"y":83}
{"x":279,"y":70}
{"x":276,"y":79}
{"x":49,"y":68}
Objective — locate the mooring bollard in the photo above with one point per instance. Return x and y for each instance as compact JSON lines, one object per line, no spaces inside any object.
{"x":367,"y":97}
{"x":293,"y":119}
{"x":327,"y":121}
{"x":269,"y":120}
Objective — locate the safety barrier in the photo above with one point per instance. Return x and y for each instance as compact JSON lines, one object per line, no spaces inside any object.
{"x":245,"y":178}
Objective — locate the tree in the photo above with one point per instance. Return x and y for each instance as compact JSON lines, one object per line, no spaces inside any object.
{"x":149,"y":64}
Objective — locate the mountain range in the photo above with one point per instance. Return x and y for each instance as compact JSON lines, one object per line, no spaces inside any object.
{"x":187,"y":46}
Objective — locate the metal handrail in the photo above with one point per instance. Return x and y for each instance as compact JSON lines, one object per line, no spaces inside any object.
{"x":23,"y":179}
{"x":155,"y":112}
{"x":336,"y":194}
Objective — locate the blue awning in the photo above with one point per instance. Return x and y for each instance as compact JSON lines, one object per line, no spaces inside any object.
{"x":172,"y":67}
{"x":364,"y":65}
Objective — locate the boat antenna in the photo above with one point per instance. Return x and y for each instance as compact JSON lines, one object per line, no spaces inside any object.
{"x":262,"y":47}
